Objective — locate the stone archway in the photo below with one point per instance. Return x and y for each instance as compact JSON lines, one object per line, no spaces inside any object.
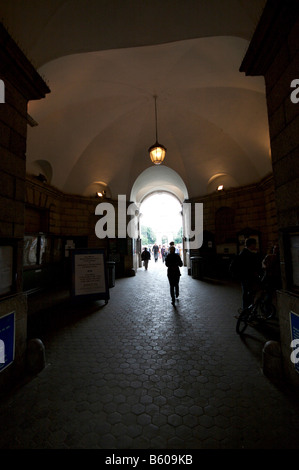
{"x":158,"y":178}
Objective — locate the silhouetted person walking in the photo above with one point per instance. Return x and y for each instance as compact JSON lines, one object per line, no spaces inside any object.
{"x":145,"y":256}
{"x":173,"y":262}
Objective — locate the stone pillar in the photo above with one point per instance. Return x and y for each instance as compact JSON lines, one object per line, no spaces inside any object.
{"x":274,"y":54}
{"x":20,"y":84}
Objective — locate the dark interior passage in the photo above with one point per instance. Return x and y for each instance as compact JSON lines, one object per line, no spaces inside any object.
{"x":138,"y":373}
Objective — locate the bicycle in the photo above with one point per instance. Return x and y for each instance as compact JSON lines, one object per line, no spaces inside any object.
{"x":259,"y":311}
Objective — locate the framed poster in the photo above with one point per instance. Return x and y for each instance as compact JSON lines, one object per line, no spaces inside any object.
{"x":43,"y":242}
{"x":30,"y":250}
{"x":7,"y":340}
{"x":89,"y":274}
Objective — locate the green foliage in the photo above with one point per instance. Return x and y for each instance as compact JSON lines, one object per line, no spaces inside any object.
{"x":179,"y":236}
{"x":148,"y":237}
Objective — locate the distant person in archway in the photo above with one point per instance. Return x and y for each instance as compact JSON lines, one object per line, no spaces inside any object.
{"x":163,"y":253}
{"x":156,"y":252}
{"x":175,"y":249}
{"x":173,"y":262}
{"x":145,"y":256}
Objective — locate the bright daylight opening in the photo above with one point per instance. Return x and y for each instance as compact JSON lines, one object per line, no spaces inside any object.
{"x":161,"y":222}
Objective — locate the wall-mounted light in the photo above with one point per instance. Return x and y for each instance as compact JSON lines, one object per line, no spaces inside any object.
{"x":220,"y":187}
{"x":101,"y":194}
{"x":157,"y":151}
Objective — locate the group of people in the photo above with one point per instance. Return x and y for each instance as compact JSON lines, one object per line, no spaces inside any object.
{"x":254,"y":273}
{"x":246,"y":266}
{"x":173,"y":262}
{"x":158,"y":252}
{"x":162,"y":251}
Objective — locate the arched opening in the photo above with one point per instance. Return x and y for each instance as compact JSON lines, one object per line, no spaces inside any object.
{"x":161,"y":219}
{"x":160,"y":192}
{"x":155,"y":179}
{"x":161,"y":223}
{"x":41,"y":169}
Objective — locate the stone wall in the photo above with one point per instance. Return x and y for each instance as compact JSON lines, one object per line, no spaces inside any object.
{"x":253,"y":206}
{"x":13,"y":129}
{"x":67,"y":215}
{"x":21,"y":84}
{"x":284,"y":131}
{"x":72,"y":216}
{"x":274,"y":53}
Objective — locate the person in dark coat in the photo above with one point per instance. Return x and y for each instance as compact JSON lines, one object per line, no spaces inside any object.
{"x":145,"y":256}
{"x":173,"y":262}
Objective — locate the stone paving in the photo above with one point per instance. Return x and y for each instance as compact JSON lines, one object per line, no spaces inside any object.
{"x":138,"y":373}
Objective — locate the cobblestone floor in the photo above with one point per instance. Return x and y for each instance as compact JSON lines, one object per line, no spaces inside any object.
{"x":138,"y":373}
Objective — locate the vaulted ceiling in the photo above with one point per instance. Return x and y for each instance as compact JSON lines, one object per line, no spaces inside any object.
{"x":104,"y":60}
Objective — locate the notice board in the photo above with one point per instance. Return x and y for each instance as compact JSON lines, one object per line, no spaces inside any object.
{"x":7,"y":340}
{"x":89,"y":274}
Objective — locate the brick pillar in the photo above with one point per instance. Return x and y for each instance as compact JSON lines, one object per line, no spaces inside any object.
{"x":20,"y":83}
{"x":274,"y":53}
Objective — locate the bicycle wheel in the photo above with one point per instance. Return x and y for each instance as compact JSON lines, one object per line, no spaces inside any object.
{"x":242,"y":322}
{"x":267,"y":311}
